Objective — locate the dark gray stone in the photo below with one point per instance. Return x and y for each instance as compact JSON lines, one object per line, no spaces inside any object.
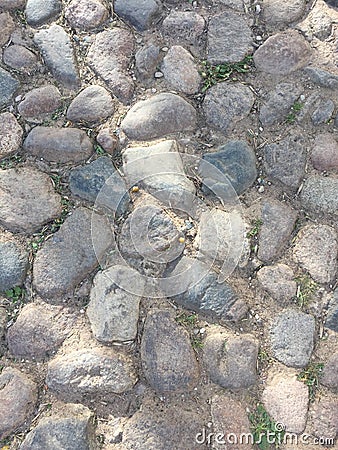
{"x":227,"y":103}
{"x":322,"y":77}
{"x":39,"y":12}
{"x":278,"y":103}
{"x":183,"y":27}
{"x":18,"y":396}
{"x":285,"y":160}
{"x":146,"y":60}
{"x":39,"y":103}
{"x":323,"y":112}
{"x":20,"y":58}
{"x":90,"y":372}
{"x":236,"y":160}
{"x":292,"y":337}
{"x":332,"y":313}
{"x":160,"y":331}
{"x":7,"y":27}
{"x":141,"y":14}
{"x":13,"y":263}
{"x":70,"y":429}
{"x":39,"y":330}
{"x":63,"y":145}
{"x":197,"y":287}
{"x":27,"y":199}
{"x":57,"y":51}
{"x":68,"y":257}
{"x":230,"y":360}
{"x":278,"y":221}
{"x":329,"y":376}
{"x":3,"y":330}
{"x":229,"y":38}
{"x":319,"y":194}
{"x":8,"y":86}
{"x":10,"y":134}
{"x":158,"y":116}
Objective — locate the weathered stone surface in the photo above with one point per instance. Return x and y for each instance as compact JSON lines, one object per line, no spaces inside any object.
{"x":58,"y":54}
{"x":237,"y":5}
{"x":283,"y":13}
{"x":27,"y":200}
{"x":282,"y":53}
{"x":13,"y":263}
{"x":323,"y":418}
{"x":86,"y":14}
{"x":108,"y":140}
{"x":141,"y":14}
{"x":167,"y":368}
{"x":10,"y":134}
{"x":229,"y":418}
{"x":3,"y":330}
{"x":324,"y":155}
{"x":8,"y":5}
{"x":7,"y":27}
{"x":322,"y":77}
{"x":292,"y":337}
{"x":180,"y":70}
{"x":229,"y":38}
{"x":19,"y":58}
{"x":183,"y":27}
{"x":158,"y":116}
{"x":230,"y":360}
{"x":285,"y":160}
{"x":39,"y":330}
{"x":72,"y":428}
{"x":278,"y":281}
{"x":110,"y":56}
{"x":18,"y":395}
{"x":197,"y":288}
{"x":152,"y":429}
{"x":69,"y":256}
{"x":112,"y":311}
{"x":332,"y":313}
{"x":316,"y":250}
{"x":225,"y":104}
{"x":278,"y":220}
{"x":63,"y":145}
{"x":278,"y":103}
{"x":319,"y":194}
{"x":159,"y":169}
{"x":329,"y":376}
{"x":318,"y":23}
{"x":40,"y":102}
{"x":236,"y":160}
{"x":92,"y":105}
{"x":90,"y":372}
{"x":39,"y":12}
{"x":8,"y":85}
{"x":323,"y":112}
{"x":286,"y":399}
{"x":146,"y":60}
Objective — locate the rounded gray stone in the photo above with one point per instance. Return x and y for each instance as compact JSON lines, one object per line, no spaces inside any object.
{"x":278,"y":103}
{"x":278,"y":281}
{"x":8,"y":86}
{"x":146,"y":60}
{"x":10,"y":134}
{"x":39,"y":12}
{"x":324,"y":155}
{"x":276,"y":12}
{"x":292,"y":337}
{"x":40,"y":102}
{"x":13,"y":263}
{"x":86,"y":14}
{"x":332,"y":313}
{"x":323,"y":112}
{"x":20,"y":58}
{"x":329,"y":376}
{"x":183,"y":27}
{"x":141,"y":14}
{"x":319,"y":194}
{"x":7,"y":27}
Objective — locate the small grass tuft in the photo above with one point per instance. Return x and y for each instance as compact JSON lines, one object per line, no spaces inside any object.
{"x":197,"y":342}
{"x":15,"y":295}
{"x":264,"y":429}
{"x":295,"y":108}
{"x":11,"y":161}
{"x":310,"y":376}
{"x":305,"y":290}
{"x":187,"y":319}
{"x":256,"y":225}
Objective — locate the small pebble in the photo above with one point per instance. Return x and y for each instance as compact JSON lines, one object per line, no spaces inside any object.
{"x":158,"y":75}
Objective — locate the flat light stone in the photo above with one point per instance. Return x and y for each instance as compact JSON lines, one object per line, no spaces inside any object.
{"x":90,"y":372}
{"x":86,"y":14}
{"x":282,"y":53}
{"x":283,"y":13}
{"x":93,"y":104}
{"x":40,"y":102}
{"x":20,"y":58}
{"x":229,"y":38}
{"x":180,"y":70}
{"x":110,"y":56}
{"x":18,"y":396}
{"x":279,"y":282}
{"x":27,"y":200}
{"x":13,"y":263}
{"x":63,"y":145}
{"x":167,"y":368}
{"x":316,"y":250}
{"x":8,"y":86}
{"x":183,"y":27}
{"x":158,"y":116}
{"x":113,"y":312}
{"x":278,"y":221}
{"x":286,"y":399}
{"x":319,"y":194}
{"x":39,"y":12}
{"x":141,"y":14}
{"x":57,"y":51}
{"x":292,"y":337}
{"x":10,"y":134}
{"x":278,"y":103}
{"x":230,"y":360}
{"x":324,"y":155}
{"x":68,"y":256}
{"x":39,"y":330}
{"x":225,"y":104}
